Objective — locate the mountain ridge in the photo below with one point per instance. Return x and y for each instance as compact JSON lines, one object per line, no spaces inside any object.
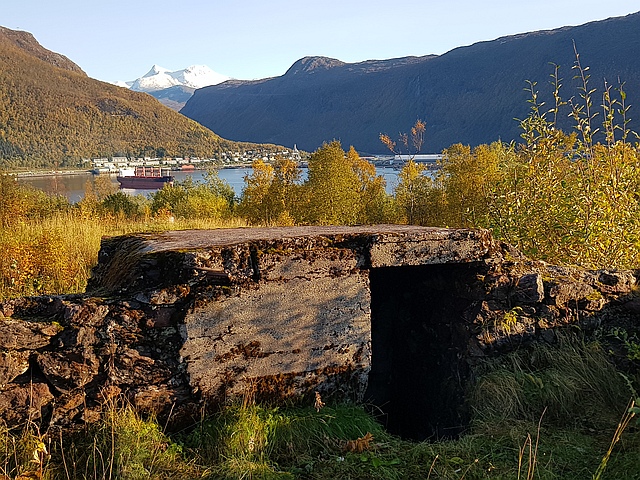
{"x":174,"y":88}
{"x":470,"y":94}
{"x":52,"y":113}
{"x":27,"y":42}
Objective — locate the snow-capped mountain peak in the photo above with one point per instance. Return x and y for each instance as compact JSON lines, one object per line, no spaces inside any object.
{"x":154,"y":81}
{"x":159,"y":78}
{"x":198,"y":76}
{"x":156,"y":70}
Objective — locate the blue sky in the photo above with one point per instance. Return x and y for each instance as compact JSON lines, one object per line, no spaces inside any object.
{"x":120,"y":40}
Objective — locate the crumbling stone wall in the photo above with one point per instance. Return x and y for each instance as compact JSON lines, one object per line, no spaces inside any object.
{"x":176,"y":320}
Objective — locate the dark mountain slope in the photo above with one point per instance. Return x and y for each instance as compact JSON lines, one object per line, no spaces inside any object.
{"x":471,"y":94}
{"x":173,"y":97}
{"x":51,"y":113}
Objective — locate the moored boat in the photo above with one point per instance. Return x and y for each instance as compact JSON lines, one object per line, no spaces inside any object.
{"x":144,"y":178}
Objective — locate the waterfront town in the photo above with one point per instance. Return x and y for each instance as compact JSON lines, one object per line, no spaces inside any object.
{"x":223,"y":159}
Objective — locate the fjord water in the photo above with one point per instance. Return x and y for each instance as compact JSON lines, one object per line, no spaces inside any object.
{"x":73,"y":186}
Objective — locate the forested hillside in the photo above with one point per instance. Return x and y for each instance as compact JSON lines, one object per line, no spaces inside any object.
{"x":52,"y":114}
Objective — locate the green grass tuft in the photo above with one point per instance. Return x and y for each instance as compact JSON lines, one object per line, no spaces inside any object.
{"x":573,"y":383}
{"x":123,"y":445}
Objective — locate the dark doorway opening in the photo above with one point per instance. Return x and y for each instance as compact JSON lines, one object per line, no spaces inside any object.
{"x":418,"y":340}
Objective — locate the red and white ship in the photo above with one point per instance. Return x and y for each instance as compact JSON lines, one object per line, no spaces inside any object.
{"x":144,"y":178}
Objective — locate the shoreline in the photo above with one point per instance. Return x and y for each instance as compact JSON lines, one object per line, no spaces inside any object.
{"x":48,"y":173}
{"x":54,"y":173}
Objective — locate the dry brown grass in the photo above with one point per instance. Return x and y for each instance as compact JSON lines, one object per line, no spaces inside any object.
{"x":55,"y":255}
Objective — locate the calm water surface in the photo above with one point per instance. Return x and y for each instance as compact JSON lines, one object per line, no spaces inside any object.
{"x":73,"y":186}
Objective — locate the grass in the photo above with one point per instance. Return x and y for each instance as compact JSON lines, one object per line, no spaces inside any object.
{"x":573,"y":383}
{"x":23,"y":455}
{"x":517,"y":432}
{"x":56,"y":254}
{"x":256,"y":442}
{"x":122,"y":445}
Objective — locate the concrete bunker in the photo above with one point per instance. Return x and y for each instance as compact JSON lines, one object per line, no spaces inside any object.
{"x":418,"y":371}
{"x":183,"y":320}
{"x":366,"y":313}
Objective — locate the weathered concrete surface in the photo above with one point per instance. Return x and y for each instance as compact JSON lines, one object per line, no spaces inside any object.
{"x":178,"y":320}
{"x":295,"y":328}
{"x":145,"y":261}
{"x":282,"y":311}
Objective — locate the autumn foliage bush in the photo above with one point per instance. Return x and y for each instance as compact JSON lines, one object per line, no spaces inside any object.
{"x":341,"y":189}
{"x":561,"y":197}
{"x":49,"y":246}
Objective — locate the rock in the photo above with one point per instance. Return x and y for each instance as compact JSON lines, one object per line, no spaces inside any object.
{"x":20,"y":403}
{"x":615,"y":282}
{"x":167,"y":296}
{"x":72,"y":337}
{"x":12,"y":364}
{"x":550,"y":313}
{"x":67,"y":407}
{"x":86,"y":314}
{"x":159,"y":399}
{"x":632,"y":305}
{"x":67,"y":371}
{"x":161,"y":318}
{"x":498,"y":286}
{"x":24,"y":335}
{"x":529,"y":289}
{"x":571,"y":293}
{"x":109,"y":393}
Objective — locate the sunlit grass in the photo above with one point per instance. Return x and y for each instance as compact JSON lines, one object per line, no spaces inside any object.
{"x":122,"y":445}
{"x":250,"y":441}
{"x":55,"y":255}
{"x":254,"y":442}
